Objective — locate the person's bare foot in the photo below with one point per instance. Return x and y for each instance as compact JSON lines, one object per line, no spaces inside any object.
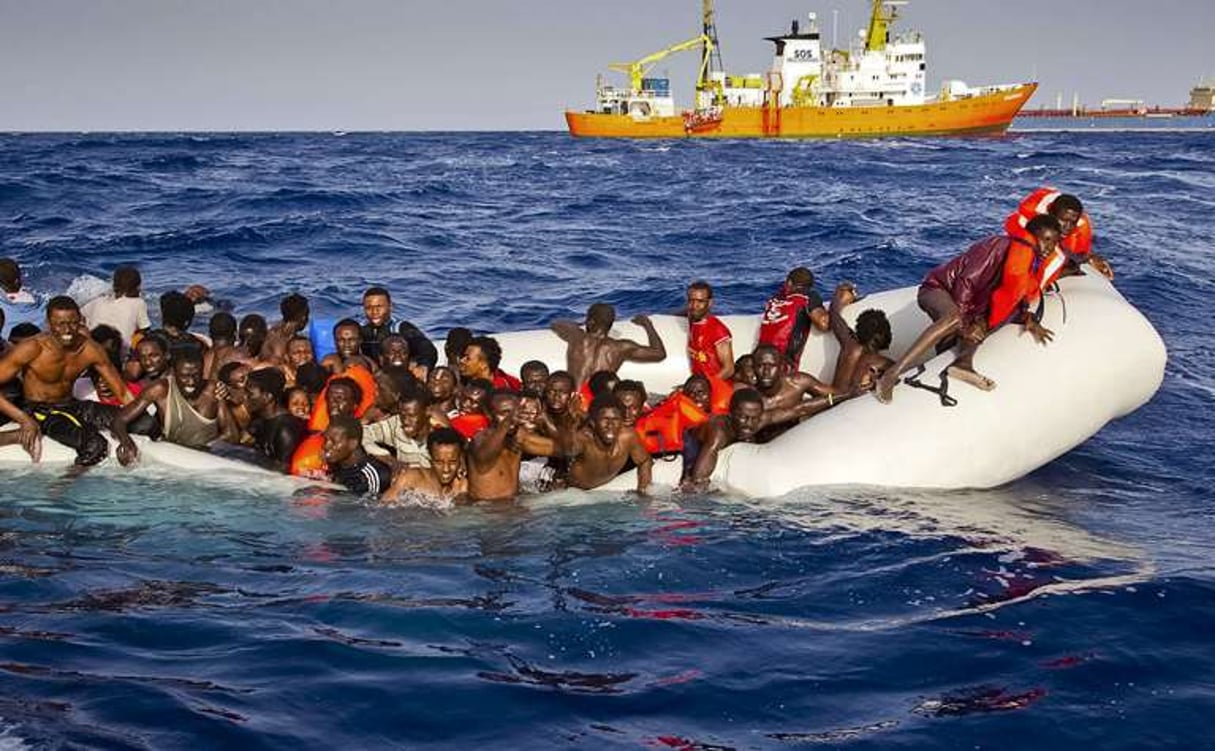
{"x":966,"y":375}
{"x":885,"y":386}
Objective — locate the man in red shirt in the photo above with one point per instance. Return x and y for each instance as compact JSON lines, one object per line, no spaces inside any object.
{"x":791,"y":313}
{"x":710,"y":344}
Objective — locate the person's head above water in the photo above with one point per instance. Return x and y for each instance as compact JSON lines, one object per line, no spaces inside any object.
{"x":746,"y":413}
{"x":377,"y":306}
{"x":176,"y":310}
{"x":599,"y":318}
{"x":873,"y":330}
{"x":10,"y":275}
{"x":503,"y":405}
{"x":295,"y":311}
{"x":446,"y":449}
{"x":606,"y":416}
{"x":744,"y":369}
{"x":342,"y":440}
{"x":457,"y":339}
{"x":700,"y":300}
{"x":299,"y":351}
{"x":474,"y":396}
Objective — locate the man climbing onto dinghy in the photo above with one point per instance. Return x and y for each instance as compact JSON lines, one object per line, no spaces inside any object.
{"x":860,"y":362}
{"x":958,"y":296}
{"x":742,"y":424}
{"x":186,"y":405}
{"x":1076,"y":240}
{"x":590,"y":348}
{"x":781,"y":388}
{"x":48,"y":365}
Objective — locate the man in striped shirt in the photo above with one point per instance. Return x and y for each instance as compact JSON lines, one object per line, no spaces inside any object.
{"x":349,"y":464}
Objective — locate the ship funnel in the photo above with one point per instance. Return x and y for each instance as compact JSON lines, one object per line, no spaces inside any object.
{"x":795,"y":27}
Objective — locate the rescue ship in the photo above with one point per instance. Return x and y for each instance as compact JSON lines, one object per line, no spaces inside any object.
{"x":877,"y":88}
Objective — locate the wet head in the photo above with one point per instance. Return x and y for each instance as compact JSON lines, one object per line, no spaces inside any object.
{"x":342,"y":439}
{"x":557,"y":392}
{"x":607,"y":419}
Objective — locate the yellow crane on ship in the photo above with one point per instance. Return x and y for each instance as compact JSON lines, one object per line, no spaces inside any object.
{"x":710,"y":56}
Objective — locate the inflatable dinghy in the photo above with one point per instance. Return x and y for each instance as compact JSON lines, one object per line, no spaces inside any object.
{"x":1106,"y":361}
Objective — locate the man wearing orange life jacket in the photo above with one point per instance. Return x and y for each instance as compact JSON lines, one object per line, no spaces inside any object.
{"x":988,"y":283}
{"x":1076,"y":244}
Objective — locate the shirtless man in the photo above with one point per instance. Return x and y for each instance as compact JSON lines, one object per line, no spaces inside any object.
{"x":222,"y":329}
{"x":495,"y":453}
{"x":348,"y":341}
{"x":186,"y":406}
{"x":252,"y":334}
{"x":49,"y":365}
{"x":295,"y":312}
{"x":444,"y":478}
{"x":780,"y":388}
{"x":558,"y":417}
{"x":742,"y":424}
{"x":602,"y":449}
{"x":860,"y":362}
{"x":590,"y":349}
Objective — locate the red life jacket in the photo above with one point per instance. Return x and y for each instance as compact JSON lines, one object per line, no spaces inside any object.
{"x":780,"y":316}
{"x":661,"y":429}
{"x":469,"y":425}
{"x":1078,"y":243}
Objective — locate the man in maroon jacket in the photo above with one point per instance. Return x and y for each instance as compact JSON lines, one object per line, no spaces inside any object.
{"x":957,"y":295}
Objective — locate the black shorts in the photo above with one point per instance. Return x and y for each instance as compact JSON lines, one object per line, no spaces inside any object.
{"x":77,"y":425}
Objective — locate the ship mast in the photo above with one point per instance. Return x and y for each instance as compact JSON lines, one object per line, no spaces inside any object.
{"x":883,"y":15}
{"x":711,"y":56}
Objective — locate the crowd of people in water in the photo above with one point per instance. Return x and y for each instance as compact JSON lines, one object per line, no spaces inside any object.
{"x":381,"y":414}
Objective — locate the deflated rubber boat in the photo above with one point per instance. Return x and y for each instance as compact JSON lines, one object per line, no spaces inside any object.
{"x":1105,"y":362}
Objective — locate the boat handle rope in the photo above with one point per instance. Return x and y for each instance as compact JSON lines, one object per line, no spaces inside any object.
{"x":941,"y":391}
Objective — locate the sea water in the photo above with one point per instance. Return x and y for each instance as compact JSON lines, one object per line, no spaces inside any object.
{"x":143,"y":610}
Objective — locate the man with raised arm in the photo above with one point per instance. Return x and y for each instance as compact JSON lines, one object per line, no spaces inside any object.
{"x":495,"y":453}
{"x":48,"y":365}
{"x":860,"y":362}
{"x":590,"y":348}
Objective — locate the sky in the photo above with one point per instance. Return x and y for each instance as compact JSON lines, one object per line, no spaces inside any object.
{"x":497,"y":65}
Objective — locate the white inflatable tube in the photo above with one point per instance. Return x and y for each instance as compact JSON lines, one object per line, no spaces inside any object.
{"x":1106,"y":361}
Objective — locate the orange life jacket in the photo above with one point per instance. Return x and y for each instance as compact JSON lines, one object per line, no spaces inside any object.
{"x":469,"y":425}
{"x":1078,"y":243}
{"x":360,"y":375}
{"x":722,"y":391}
{"x":661,"y":429}
{"x":309,"y":457}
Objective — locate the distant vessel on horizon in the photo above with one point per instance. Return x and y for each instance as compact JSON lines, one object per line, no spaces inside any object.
{"x":1121,"y":115}
{"x":877,"y":88}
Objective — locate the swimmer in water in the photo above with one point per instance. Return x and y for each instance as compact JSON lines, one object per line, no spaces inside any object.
{"x":445,"y":476}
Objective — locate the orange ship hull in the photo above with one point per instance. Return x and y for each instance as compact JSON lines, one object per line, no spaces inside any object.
{"x":989,"y":114}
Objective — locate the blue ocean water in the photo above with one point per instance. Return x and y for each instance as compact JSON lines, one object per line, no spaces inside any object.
{"x":1071,"y":607}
